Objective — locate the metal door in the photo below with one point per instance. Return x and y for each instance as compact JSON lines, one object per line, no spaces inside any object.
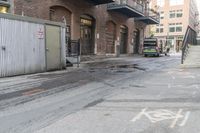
{"x":53,"y":55}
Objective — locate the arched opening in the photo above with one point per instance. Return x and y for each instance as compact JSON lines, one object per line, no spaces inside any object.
{"x":136,"y":41}
{"x":110,"y":37}
{"x":87,"y":37}
{"x":123,"y":39}
{"x":60,"y":14}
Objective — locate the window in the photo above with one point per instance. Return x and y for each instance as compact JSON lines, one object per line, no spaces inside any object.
{"x":178,"y":27}
{"x":179,"y":13}
{"x":172,"y":14}
{"x":162,"y":15}
{"x":157,"y":30}
{"x":176,"y":2}
{"x":171,"y":29}
{"x":160,"y":3}
{"x":160,"y":28}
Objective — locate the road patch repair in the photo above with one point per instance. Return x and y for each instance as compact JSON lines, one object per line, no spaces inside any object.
{"x":119,"y":68}
{"x":32,"y":91}
{"x":178,"y":118}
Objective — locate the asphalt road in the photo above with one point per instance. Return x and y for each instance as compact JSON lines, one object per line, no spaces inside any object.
{"x":118,"y":95}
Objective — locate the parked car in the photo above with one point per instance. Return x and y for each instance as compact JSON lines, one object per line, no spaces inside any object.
{"x":150,"y":47}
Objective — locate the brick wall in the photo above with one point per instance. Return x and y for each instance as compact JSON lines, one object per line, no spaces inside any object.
{"x":41,"y":9}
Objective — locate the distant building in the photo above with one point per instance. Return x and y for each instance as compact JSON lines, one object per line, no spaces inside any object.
{"x":104,"y":27}
{"x":175,"y":17}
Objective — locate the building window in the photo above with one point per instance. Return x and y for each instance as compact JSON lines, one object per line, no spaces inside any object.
{"x":178,"y":27}
{"x":160,"y":28}
{"x":160,"y":3}
{"x":179,"y":13}
{"x":176,"y":2}
{"x":171,"y":29}
{"x":162,"y":15}
{"x":157,"y":30}
{"x":172,"y":14}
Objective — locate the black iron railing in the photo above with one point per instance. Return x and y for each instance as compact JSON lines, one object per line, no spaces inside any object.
{"x":189,"y":39}
{"x":152,"y":14}
{"x":73,"y":50}
{"x":129,"y":3}
{"x":4,"y":3}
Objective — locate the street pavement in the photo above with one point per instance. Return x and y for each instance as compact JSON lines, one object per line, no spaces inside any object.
{"x":114,"y":95}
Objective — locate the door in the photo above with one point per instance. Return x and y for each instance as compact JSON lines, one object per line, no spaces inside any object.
{"x":137,"y":42}
{"x":53,"y":56}
{"x":87,"y":35}
{"x":123,"y":41}
{"x":86,"y":40}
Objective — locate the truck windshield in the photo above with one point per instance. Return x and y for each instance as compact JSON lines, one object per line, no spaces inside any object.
{"x":149,"y":43}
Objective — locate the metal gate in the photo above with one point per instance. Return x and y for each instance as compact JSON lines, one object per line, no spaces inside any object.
{"x":21,"y":49}
{"x":22,"y":45}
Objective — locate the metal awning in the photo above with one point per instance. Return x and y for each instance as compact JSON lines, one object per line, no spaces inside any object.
{"x":126,"y":10}
{"x":98,"y":2}
{"x":148,"y":20}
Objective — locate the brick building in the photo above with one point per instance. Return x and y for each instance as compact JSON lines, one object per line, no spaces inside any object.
{"x":175,"y":17}
{"x":101,"y":25}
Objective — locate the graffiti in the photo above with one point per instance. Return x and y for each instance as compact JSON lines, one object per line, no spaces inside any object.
{"x":162,"y":115}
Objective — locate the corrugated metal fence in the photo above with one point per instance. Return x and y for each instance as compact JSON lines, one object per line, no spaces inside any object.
{"x":22,"y":45}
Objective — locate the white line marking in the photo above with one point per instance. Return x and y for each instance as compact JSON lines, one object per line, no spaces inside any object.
{"x":178,"y":115}
{"x":185,"y":119}
{"x":139,"y":115}
{"x":162,"y":115}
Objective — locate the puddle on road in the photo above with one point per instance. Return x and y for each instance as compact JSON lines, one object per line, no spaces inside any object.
{"x":119,"y":68}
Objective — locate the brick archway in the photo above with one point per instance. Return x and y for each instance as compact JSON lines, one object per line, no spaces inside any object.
{"x":87,"y":34}
{"x":60,"y":14}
